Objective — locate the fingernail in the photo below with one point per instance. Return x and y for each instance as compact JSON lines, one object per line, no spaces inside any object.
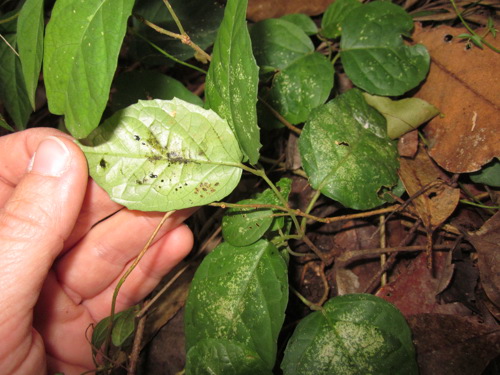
{"x":51,"y":158}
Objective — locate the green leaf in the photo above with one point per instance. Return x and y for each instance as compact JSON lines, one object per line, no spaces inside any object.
{"x":161,"y":155}
{"x":353,"y":334}
{"x":200,"y":19}
{"x":334,"y":15}
{"x":82,"y":42}
{"x":244,"y":226}
{"x":239,"y":294}
{"x":223,"y":357}
{"x":303,"y":21}
{"x":346,"y":153}
{"x":303,"y":78}
{"x":124,"y":326}
{"x":12,"y":88}
{"x":373,"y":53}
{"x":301,"y":87}
{"x":232,"y":79}
{"x":132,"y":86}
{"x":403,"y":115}
{"x":278,"y":43}
{"x":30,"y":41}
{"x":4,"y":124}
{"x":488,"y":175}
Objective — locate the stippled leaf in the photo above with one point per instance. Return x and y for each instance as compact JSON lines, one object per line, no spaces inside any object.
{"x":244,"y":226}
{"x":346,"y":153}
{"x":352,"y":334}
{"x":334,"y":15}
{"x":302,"y":78}
{"x":164,"y":155}
{"x":232,"y":79}
{"x":82,"y":43}
{"x":132,"y":86}
{"x":30,"y":41}
{"x":239,"y":294}
{"x":373,"y":53}
{"x":223,"y":357}
{"x":402,"y":115}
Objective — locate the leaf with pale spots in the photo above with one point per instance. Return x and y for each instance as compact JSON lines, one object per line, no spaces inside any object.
{"x":82,"y":43}
{"x":223,"y":357}
{"x":233,"y":79}
{"x":346,"y":152}
{"x":302,"y":79}
{"x":163,"y":155}
{"x":351,"y":334}
{"x":239,"y":294}
{"x":334,"y":15}
{"x":373,"y":53}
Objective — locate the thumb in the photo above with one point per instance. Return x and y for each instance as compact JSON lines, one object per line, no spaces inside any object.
{"x":35,"y":221}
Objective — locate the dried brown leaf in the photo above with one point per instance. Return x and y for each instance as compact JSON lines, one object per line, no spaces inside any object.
{"x":463,"y":83}
{"x":486,"y":241}
{"x":448,"y":344}
{"x":259,"y":10}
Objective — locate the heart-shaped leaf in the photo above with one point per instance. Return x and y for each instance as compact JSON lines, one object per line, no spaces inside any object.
{"x":373,"y":53}
{"x":334,"y":15}
{"x":352,"y":334}
{"x":346,"y":153}
{"x":239,"y":294}
{"x":164,"y":155}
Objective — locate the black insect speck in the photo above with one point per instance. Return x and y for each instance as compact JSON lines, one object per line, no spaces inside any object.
{"x":137,"y":138}
{"x":151,"y":175}
{"x":103,"y":163}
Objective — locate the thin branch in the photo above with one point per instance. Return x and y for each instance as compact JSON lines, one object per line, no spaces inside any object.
{"x":280,"y":118}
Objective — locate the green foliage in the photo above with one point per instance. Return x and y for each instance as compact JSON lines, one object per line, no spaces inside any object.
{"x":239,"y":294}
{"x":82,"y":43}
{"x":122,"y":330}
{"x":134,"y":86}
{"x":352,"y":334}
{"x":488,"y":175}
{"x":346,"y":152}
{"x":13,"y":92}
{"x":224,"y":357}
{"x":302,"y":79}
{"x":373,"y":53}
{"x":302,"y":21}
{"x":164,"y":155}
{"x":334,"y":15}
{"x":402,"y":115}
{"x":30,"y":40}
{"x":232,"y":80}
{"x":4,"y":124}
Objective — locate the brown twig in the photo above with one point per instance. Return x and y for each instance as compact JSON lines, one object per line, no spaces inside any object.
{"x":136,"y":347}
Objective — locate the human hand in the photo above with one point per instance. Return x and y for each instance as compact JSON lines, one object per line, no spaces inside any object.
{"x":58,"y":269}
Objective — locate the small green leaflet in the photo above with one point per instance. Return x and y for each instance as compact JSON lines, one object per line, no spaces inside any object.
{"x":4,"y":124}
{"x":402,"y":115}
{"x":334,"y":15}
{"x":163,"y":155}
{"x":244,"y":226}
{"x":302,"y":79}
{"x":353,"y":334}
{"x":373,"y":53}
{"x":488,"y":175}
{"x":346,"y":153}
{"x":224,"y":357}
{"x":233,"y":78}
{"x":239,"y":294}
{"x":303,"y":21}
{"x":82,"y":42}
{"x":30,"y":41}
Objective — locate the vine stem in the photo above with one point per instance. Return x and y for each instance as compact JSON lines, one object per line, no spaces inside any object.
{"x":459,"y":15}
{"x":174,"y":16}
{"x":305,"y":301}
{"x":11,"y":18}
{"x":185,"y":39}
{"x":280,"y":117}
{"x":127,"y":273}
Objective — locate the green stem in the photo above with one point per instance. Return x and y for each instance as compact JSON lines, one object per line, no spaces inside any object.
{"x":166,"y":54}
{"x":305,"y":301}
{"x":174,"y":16}
{"x":334,"y":60}
{"x":11,"y":18}
{"x":489,"y":208}
{"x":309,"y":208}
{"x":459,"y":15}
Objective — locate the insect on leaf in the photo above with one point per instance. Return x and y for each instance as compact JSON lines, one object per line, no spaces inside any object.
{"x":163,"y":155}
